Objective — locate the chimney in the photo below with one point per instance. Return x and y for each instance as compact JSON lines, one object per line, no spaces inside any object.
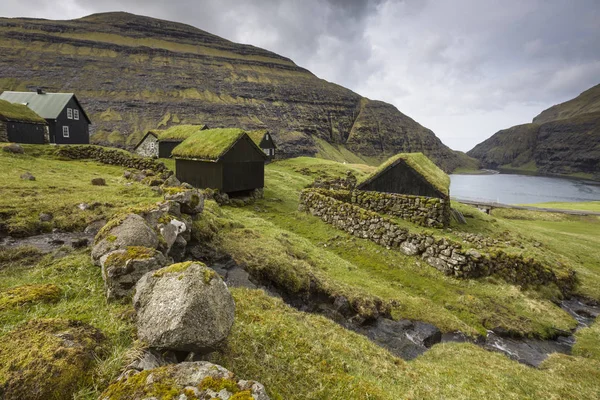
{"x":40,"y":91}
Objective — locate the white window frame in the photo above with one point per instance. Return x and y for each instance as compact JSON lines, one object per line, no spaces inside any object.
{"x":69,"y":113}
{"x":76,"y":114}
{"x":66,"y":133}
{"x":267,"y":136}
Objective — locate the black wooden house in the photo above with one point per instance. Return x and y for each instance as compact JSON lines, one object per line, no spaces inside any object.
{"x":410,"y":174}
{"x":223,"y":159}
{"x":264,"y":140}
{"x":67,"y":121}
{"x":19,"y":124}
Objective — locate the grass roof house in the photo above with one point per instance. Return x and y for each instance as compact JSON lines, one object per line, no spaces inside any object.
{"x":223,"y":159}
{"x":174,"y":136}
{"x":67,"y":121}
{"x":264,"y":140}
{"x":20,"y":124}
{"x":408,"y":173}
{"x":148,"y":145}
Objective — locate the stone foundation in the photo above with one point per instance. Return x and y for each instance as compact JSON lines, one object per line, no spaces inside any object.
{"x":443,"y":254}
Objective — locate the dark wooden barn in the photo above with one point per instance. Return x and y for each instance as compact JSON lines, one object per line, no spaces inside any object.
{"x":408,"y":173}
{"x":223,"y":159}
{"x":67,"y":121}
{"x":264,"y":140}
{"x":19,"y":124}
{"x":174,"y":136}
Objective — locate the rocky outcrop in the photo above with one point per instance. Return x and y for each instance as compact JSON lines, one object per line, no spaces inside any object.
{"x":183,"y":307}
{"x":47,"y":359}
{"x":188,"y":380}
{"x":191,"y":76}
{"x":564,"y":140}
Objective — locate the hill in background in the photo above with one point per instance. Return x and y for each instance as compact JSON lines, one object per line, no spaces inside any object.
{"x":135,"y":73}
{"x":564,"y":139}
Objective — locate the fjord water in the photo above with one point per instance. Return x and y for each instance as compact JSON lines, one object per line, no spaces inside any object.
{"x":522,"y":189}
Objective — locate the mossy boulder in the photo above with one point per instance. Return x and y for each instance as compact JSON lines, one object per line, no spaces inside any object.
{"x":191,"y":200}
{"x":188,"y":380}
{"x":28,"y":294}
{"x":47,"y":359}
{"x":183,"y":307}
{"x":122,"y":269}
{"x":122,"y":232}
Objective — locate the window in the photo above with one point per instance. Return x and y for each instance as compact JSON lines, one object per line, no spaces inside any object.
{"x":65,"y":131}
{"x":266,"y":151}
{"x":76,"y":114}
{"x":69,"y":113}
{"x":266,"y":137}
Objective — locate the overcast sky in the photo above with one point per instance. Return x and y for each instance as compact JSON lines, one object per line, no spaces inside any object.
{"x":463,"y":68}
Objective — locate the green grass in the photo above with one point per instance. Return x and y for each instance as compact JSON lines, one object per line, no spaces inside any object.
{"x":18,"y":112}
{"x":208,"y":145}
{"x":178,"y":132}
{"x":421,"y":164}
{"x":580,"y":206}
{"x":60,"y":187}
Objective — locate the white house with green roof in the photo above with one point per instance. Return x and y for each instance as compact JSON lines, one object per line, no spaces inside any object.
{"x":224,"y":159}
{"x":67,"y":121}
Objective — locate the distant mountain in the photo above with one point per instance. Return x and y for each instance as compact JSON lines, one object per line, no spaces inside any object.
{"x":564,"y":139}
{"x":135,"y":73}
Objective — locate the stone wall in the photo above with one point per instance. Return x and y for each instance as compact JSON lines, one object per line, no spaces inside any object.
{"x":425,"y":211}
{"x":110,"y":156}
{"x":443,"y":254}
{"x":3,"y":132}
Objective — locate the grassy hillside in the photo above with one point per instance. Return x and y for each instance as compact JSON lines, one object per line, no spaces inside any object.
{"x":300,"y":355}
{"x":586,"y":103}
{"x":134,"y":73}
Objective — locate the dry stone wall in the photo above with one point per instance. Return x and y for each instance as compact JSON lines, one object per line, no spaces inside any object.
{"x":110,"y":156}
{"x":425,"y":211}
{"x":3,"y":132}
{"x":443,"y":254}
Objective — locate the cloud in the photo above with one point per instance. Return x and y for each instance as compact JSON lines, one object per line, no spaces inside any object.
{"x":464,"y":68}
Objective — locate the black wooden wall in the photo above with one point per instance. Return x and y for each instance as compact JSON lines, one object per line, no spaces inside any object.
{"x":22,"y":132}
{"x":200,"y":174}
{"x":404,"y":180}
{"x":166,"y":148}
{"x":78,"y":129}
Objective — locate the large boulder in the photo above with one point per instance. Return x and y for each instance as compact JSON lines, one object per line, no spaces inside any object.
{"x":47,"y":359}
{"x":187,"y":380}
{"x":191,"y":200}
{"x":122,"y":232}
{"x":122,"y":269}
{"x":183,"y":307}
{"x":13,"y":148}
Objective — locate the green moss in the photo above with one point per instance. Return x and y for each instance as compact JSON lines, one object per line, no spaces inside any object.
{"x":209,"y":274}
{"x":110,"y":225}
{"x":137,"y":387}
{"x":218,"y":384}
{"x":243,"y":395}
{"x":174,"y":190}
{"x":119,"y":259}
{"x":27,"y":294}
{"x":60,"y":351}
{"x":194,"y":201}
{"x":18,"y":112}
{"x":179,"y":132}
{"x":421,"y":164}
{"x":208,"y":145}
{"x":175,"y":268}
{"x":111,"y":238}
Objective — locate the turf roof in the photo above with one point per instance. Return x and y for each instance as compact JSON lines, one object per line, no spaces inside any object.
{"x":209,"y":144}
{"x":421,"y":164}
{"x":178,"y":133}
{"x":257,"y":136}
{"x":18,"y":112}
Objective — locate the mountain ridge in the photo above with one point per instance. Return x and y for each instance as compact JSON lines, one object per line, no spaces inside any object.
{"x":562,"y":140}
{"x":136,"y":73}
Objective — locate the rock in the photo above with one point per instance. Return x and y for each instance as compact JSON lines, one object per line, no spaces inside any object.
{"x":27,"y":176}
{"x":172,"y":181}
{"x":83,"y":206}
{"x":46,"y":217}
{"x":122,"y":232}
{"x":199,"y":380}
{"x":183,"y":307}
{"x":94,"y":227}
{"x":410,"y":249}
{"x":47,"y":359}
{"x":177,"y":251}
{"x":14,"y":148}
{"x":98,"y":182}
{"x":80,"y":243}
{"x":191,"y":200}
{"x":122,"y":269}
{"x":406,"y":339}
{"x":150,"y":359}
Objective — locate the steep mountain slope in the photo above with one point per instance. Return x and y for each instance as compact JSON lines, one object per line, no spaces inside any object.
{"x":564,"y":139}
{"x":134,"y":73}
